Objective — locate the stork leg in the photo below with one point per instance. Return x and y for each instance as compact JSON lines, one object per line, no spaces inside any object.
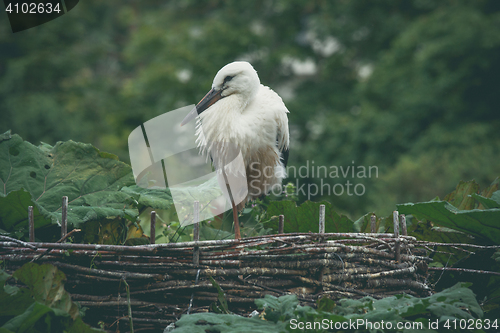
{"x":237,"y":234}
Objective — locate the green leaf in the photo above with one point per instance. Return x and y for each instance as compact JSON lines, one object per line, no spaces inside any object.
{"x":476,"y":222}
{"x":455,"y":302}
{"x":27,"y":320}
{"x":496,"y":197}
{"x":148,"y":197}
{"x":46,"y":283}
{"x":42,"y":306}
{"x":278,"y":308}
{"x":91,"y":179}
{"x":461,"y":196}
{"x":486,"y":202}
{"x":14,"y":211}
{"x":13,"y":300}
{"x":5,"y":136}
{"x":363,"y":224}
{"x":305,"y":218}
{"x":490,"y":190}
{"x":210,"y":233}
{"x":221,"y":305}
{"x":325,"y":304}
{"x":225,"y":323}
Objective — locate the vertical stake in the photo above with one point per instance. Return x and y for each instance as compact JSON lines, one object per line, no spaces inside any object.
{"x":196,"y":232}
{"x":373,"y":222}
{"x":64,"y":219}
{"x":322,"y":219}
{"x":31,"y":220}
{"x":402,"y":221}
{"x":321,"y":239}
{"x":395,"y":220}
{"x":152,"y":237}
{"x":281,"y":224}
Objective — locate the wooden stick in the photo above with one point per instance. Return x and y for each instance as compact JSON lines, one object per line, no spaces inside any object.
{"x":152,"y":237}
{"x":397,"y":249}
{"x":64,"y":219}
{"x":464,"y":270}
{"x":281,"y":224}
{"x":321,"y":240}
{"x":196,"y":232}
{"x":17,"y":241}
{"x":373,"y":222}
{"x":59,"y":241}
{"x":31,"y":220}
{"x":402,"y":220}
{"x":322,"y":219}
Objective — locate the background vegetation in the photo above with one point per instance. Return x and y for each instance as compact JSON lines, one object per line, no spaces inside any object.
{"x":410,"y":87}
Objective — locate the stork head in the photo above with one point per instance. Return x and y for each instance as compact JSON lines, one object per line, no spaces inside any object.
{"x":238,"y":78}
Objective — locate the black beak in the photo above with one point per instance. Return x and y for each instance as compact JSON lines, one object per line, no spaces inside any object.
{"x":210,"y":98}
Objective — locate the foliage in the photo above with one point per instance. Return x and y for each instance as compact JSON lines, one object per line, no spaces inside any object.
{"x":459,"y":213}
{"x":219,"y":306}
{"x":42,"y":305}
{"x":409,"y":87}
{"x":305,"y":217}
{"x":284,"y":313}
{"x":91,"y":179}
{"x":468,"y":216}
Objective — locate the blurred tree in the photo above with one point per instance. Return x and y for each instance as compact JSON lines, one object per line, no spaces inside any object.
{"x":409,"y":87}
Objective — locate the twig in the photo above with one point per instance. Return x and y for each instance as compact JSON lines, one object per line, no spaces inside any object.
{"x":10,"y":239}
{"x":464,"y":270}
{"x":59,"y":241}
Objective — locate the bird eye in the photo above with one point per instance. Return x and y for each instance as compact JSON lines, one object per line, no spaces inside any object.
{"x":227,"y":79}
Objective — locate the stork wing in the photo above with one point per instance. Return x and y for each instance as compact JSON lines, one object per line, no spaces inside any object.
{"x":283,"y":137}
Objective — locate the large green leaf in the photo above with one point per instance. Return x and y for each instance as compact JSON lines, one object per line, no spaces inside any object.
{"x":43,"y":304}
{"x":150,"y":197}
{"x":46,"y":284}
{"x":475,"y":222}
{"x":13,"y":300}
{"x":14,"y":211}
{"x":91,"y":179}
{"x":461,"y":196}
{"x":382,"y":224}
{"x":305,"y":218}
{"x":487,"y":203}
{"x":225,"y":323}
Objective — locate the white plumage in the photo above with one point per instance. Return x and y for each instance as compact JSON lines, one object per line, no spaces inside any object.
{"x":240,"y":111}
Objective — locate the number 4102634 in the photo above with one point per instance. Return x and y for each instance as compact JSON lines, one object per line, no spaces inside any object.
{"x":471,"y":324}
{"x":33,"y":8}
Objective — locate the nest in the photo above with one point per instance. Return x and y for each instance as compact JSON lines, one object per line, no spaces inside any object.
{"x":165,"y":281}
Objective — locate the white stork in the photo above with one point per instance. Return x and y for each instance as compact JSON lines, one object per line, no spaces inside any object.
{"x":241,"y":112}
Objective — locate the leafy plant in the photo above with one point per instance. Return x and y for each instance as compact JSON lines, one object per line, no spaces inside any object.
{"x":468,"y":216}
{"x":284,"y":314}
{"x":41,"y":176}
{"x":304,"y":218}
{"x":42,"y":306}
{"x":460,"y":211}
{"x":103,"y":198}
{"x":220,"y":306}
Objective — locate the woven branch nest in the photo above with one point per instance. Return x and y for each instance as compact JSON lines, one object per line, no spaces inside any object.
{"x":164,"y":281}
